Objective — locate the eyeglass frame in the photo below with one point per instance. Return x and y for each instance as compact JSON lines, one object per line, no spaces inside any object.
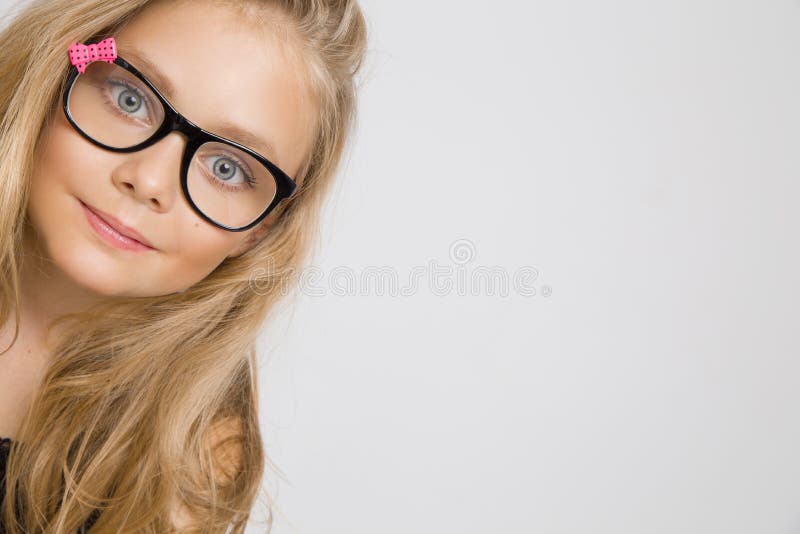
{"x":195,"y":138}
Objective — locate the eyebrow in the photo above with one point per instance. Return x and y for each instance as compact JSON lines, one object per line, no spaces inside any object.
{"x":225,"y":128}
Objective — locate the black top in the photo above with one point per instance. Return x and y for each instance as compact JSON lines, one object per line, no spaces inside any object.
{"x":5,"y":447}
{"x":5,"y":444}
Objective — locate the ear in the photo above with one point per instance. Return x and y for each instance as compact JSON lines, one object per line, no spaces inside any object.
{"x":251,"y":237}
{"x":256,"y":233}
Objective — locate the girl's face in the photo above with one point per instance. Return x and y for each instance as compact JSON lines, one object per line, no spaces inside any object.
{"x":222,"y":72}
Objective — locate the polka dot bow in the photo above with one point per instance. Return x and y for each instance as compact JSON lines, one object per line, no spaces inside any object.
{"x":81,"y":55}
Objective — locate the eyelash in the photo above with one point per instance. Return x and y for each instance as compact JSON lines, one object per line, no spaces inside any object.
{"x":248,"y":179}
{"x":116,"y":109}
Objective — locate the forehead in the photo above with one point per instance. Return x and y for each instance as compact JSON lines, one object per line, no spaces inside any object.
{"x":242,"y":83}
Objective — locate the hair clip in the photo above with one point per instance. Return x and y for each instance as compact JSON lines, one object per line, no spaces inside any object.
{"x":81,"y":55}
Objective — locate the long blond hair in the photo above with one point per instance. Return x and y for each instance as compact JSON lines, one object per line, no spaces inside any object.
{"x":121,"y":423}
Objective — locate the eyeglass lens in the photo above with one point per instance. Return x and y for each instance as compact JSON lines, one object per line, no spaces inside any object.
{"x":117,"y":109}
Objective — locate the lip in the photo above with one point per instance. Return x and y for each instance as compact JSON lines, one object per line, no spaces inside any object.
{"x":114,"y":231}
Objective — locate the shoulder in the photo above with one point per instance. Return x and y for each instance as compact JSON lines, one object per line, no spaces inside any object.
{"x":225,"y":442}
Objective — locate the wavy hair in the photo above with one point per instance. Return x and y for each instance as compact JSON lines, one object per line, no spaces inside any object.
{"x":121,"y":427}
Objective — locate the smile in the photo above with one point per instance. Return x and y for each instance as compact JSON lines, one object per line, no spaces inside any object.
{"x":110,"y":234}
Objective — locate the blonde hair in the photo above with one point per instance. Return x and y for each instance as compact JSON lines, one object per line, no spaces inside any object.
{"x":122,"y":423}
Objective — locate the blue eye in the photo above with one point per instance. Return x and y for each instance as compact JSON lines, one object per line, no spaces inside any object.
{"x":225,"y":167}
{"x":127,"y":100}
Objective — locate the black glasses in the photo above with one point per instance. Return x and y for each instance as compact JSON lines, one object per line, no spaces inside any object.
{"x":229,"y":185}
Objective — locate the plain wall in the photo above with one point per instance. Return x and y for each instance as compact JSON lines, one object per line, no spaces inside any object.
{"x":643,"y":158}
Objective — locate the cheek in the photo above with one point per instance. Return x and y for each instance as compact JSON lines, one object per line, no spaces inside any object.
{"x":67,"y":161}
{"x":55,"y":182}
{"x":201,"y":249}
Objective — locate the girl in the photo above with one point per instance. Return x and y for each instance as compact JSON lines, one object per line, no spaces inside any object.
{"x":163,"y":165}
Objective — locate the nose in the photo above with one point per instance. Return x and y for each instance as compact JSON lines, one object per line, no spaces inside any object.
{"x":152,"y":175}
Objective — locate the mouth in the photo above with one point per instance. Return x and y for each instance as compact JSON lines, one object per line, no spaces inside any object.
{"x":114,"y":231}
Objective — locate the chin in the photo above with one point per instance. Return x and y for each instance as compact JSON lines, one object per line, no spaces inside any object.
{"x":88,"y":268}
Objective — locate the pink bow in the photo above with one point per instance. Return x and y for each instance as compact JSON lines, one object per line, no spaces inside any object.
{"x":81,"y":55}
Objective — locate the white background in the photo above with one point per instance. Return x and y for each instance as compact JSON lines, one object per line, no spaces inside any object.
{"x":642,"y":157}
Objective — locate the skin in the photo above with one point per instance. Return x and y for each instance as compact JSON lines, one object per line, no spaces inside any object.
{"x":68,"y":267}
